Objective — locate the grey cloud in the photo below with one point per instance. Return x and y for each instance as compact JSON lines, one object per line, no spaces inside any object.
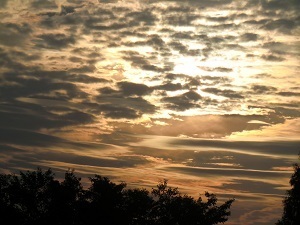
{"x":169,"y":87}
{"x":131,"y":89}
{"x":216,"y":80}
{"x":218,"y":19}
{"x":262,"y":89}
{"x":83,"y":69}
{"x":3,"y":3}
{"x":27,"y":138}
{"x":281,"y":48}
{"x":119,"y":112}
{"x":122,"y":103}
{"x":183,"y":102}
{"x":55,"y":41}
{"x":30,"y":87}
{"x":253,"y":187}
{"x":271,"y":57}
{"x":45,"y":4}
{"x":204,"y":3}
{"x":145,"y":17}
{"x":183,"y":35}
{"x":273,"y":148}
{"x":226,"y":93}
{"x":288,"y":93}
{"x":222,"y":69}
{"x":292,"y":113}
{"x":156,"y":42}
{"x":141,"y":61}
{"x":108,"y":1}
{"x":282,"y":25}
{"x":31,"y":116}
{"x":14,"y":60}
{"x":214,"y":158}
{"x":184,"y":49}
{"x":187,"y":81}
{"x":183,"y":19}
{"x":228,"y":172}
{"x":14,"y":34}
{"x":280,"y":5}
{"x":256,"y":22}
{"x":249,"y":37}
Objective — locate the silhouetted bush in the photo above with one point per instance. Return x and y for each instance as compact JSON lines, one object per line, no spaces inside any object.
{"x":36,"y":198}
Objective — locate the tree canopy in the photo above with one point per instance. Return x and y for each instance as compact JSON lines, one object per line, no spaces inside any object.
{"x":291,"y":210}
{"x":37,"y":198}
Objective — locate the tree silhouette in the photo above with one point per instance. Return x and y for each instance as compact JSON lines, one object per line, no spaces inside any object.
{"x":291,"y":211}
{"x":172,"y":208}
{"x":36,"y":198}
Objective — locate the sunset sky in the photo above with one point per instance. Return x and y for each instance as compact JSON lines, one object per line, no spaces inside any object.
{"x":204,"y":93}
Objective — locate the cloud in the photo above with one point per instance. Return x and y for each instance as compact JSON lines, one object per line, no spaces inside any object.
{"x":269,"y":148}
{"x":183,"y":102}
{"x":282,"y":25}
{"x":126,"y":102}
{"x":12,"y":34}
{"x":288,"y":93}
{"x":271,"y":57}
{"x":262,"y":89}
{"x":226,"y":93}
{"x":131,"y":89}
{"x":54,"y":41}
{"x":22,"y":115}
{"x":3,"y":3}
{"x":216,"y":172}
{"x":249,"y":37}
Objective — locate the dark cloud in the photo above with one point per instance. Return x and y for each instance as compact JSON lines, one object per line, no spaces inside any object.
{"x":12,"y":34}
{"x":274,"y":58}
{"x":144,"y":18}
{"x":253,"y":187}
{"x":183,"y":102}
{"x":218,"y":19}
{"x":287,"y":112}
{"x":277,"y":47}
{"x":288,"y":93}
{"x":226,"y":93}
{"x":204,"y":3}
{"x":30,"y":87}
{"x":3,"y":3}
{"x":55,"y":41}
{"x":46,"y":4}
{"x":217,"y":172}
{"x":176,"y":45}
{"x":249,"y":37}
{"x":279,"y":5}
{"x":256,"y":22}
{"x":169,"y":87}
{"x":28,"y":138}
{"x":183,"y":19}
{"x":30,"y":116}
{"x":266,"y":147}
{"x":282,"y":25}
{"x":213,"y":80}
{"x":262,"y":89}
{"x":123,"y":103}
{"x":132,"y":89}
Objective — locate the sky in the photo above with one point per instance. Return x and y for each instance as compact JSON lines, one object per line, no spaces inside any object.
{"x":204,"y":93}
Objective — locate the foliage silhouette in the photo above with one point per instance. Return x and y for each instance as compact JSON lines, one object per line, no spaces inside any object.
{"x":291,"y":211}
{"x":36,"y":198}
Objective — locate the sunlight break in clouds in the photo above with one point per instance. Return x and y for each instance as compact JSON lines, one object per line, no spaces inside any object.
{"x":203,"y":93}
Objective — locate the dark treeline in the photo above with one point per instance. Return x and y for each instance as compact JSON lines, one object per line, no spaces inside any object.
{"x":37,"y":198}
